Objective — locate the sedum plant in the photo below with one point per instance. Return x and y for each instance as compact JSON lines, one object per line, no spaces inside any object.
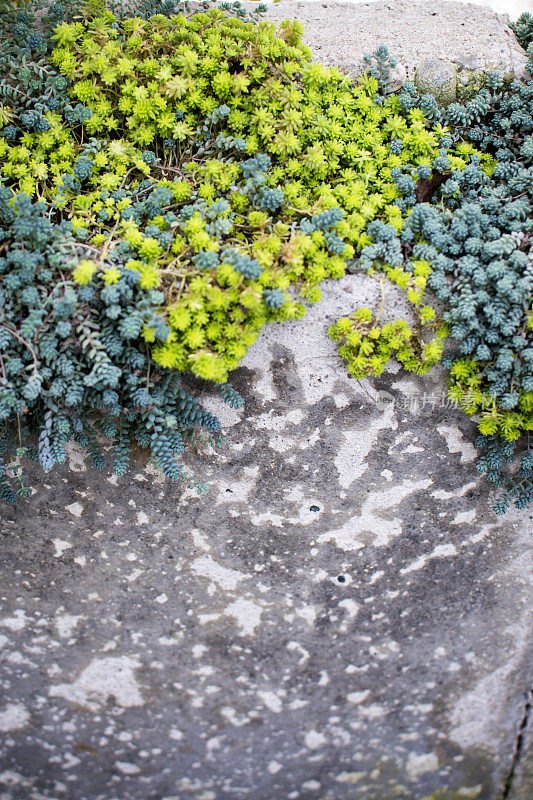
{"x":171,"y":103}
{"x":176,"y":98}
{"x":368,"y":347}
{"x":72,"y":361}
{"x":191,"y":175}
{"x":470,"y":228}
{"x":523,"y":29}
{"x":480,"y":249}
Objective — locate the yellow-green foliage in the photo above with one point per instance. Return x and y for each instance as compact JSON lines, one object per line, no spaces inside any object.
{"x":413,"y":284}
{"x":367,"y":347}
{"x":468,"y":388}
{"x":151,"y":83}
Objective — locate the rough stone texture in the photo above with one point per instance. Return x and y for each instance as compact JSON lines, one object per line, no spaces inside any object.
{"x":469,"y":36}
{"x":521,"y":781}
{"x":340,"y":618}
{"x":438,"y":78}
{"x":397,"y":77}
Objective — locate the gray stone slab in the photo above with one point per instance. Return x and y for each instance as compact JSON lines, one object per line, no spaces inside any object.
{"x":341,"y":617}
{"x":340,"y":34}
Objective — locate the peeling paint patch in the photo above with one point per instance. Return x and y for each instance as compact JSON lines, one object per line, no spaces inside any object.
{"x":350,"y":777}
{"x":246,"y":614}
{"x":313,"y":739}
{"x":351,"y":608}
{"x":278,"y":422}
{"x":127,"y":768}
{"x":227,"y":415}
{"x":237,"y":491}
{"x":374,"y":711}
{"x":271,"y":700}
{"x":482,"y":533}
{"x":464,"y":517}
{"x":60,"y":546}
{"x":65,"y":624}
{"x":341,"y":400}
{"x":358,"y":697}
{"x":442,"y":494}
{"x":281,"y":443}
{"x":420,"y":764}
{"x":267,"y":517}
{"x":76,"y":509}
{"x":17,"y":622}
{"x":308,"y":613}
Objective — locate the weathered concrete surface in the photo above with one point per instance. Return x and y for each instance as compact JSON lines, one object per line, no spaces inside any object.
{"x":521,"y":777}
{"x":340,"y":618}
{"x":340,"y":34}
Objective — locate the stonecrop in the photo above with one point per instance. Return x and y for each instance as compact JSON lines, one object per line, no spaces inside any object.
{"x":469,"y":239}
{"x":73,"y":362}
{"x":177,"y":99}
{"x":193,"y":175}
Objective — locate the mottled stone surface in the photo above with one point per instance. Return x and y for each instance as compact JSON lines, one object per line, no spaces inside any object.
{"x":414,"y":30}
{"x":437,"y":77}
{"x":340,"y":618}
{"x":521,"y":779}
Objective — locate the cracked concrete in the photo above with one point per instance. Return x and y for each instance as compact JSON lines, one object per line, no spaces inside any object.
{"x":341,"y":617}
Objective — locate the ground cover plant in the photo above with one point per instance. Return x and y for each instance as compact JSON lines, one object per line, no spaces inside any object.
{"x":474,"y":235}
{"x":523,"y":29}
{"x":170,"y":182}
